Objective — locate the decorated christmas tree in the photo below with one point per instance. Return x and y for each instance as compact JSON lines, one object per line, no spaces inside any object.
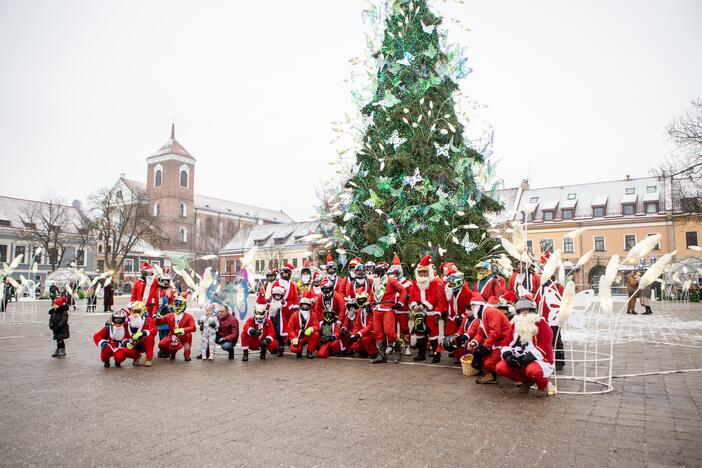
{"x":416,"y":185}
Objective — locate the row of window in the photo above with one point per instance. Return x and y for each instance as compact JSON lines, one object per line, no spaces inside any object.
{"x":263,"y":265}
{"x":597,"y":211}
{"x":41,"y":259}
{"x":183,"y":209}
{"x":627,"y":191}
{"x":597,"y":241}
{"x":182,"y":179}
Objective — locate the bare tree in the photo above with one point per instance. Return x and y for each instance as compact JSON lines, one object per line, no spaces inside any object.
{"x":121,"y":224}
{"x":46,"y":224}
{"x":685,"y":165}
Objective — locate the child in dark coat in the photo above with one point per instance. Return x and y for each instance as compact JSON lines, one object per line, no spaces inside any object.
{"x":58,"y":323}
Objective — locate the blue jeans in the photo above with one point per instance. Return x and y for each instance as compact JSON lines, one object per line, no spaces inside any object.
{"x":227,"y":346}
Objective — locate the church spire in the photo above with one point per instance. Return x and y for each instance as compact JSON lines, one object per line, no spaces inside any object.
{"x":173,"y":130}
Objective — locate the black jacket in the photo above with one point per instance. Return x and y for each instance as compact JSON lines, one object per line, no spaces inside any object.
{"x":58,"y":322}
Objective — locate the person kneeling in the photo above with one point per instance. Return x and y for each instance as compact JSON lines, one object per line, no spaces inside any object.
{"x":259,"y":333}
{"x":112,"y":337}
{"x":362,"y":339}
{"x":181,"y":326}
{"x":303,"y":328}
{"x":528,"y":358}
{"x":142,"y":332}
{"x":329,"y":332}
{"x":486,"y":334}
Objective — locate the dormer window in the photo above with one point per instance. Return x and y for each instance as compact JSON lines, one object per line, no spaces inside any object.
{"x":598,"y":212}
{"x":629,"y":191}
{"x":572,"y":196}
{"x":533,"y":199}
{"x":549,"y":210}
{"x":567,"y":214}
{"x":651,"y":189}
{"x":548,"y":215}
{"x":629,"y":204}
{"x":628,"y":210}
{"x":651,"y":208}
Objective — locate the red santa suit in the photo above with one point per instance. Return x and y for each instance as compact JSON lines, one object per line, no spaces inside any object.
{"x":548,"y":301}
{"x":433,"y":298}
{"x":457,"y":304}
{"x":145,"y":326}
{"x":490,"y":287}
{"x":386,"y":293}
{"x":528,"y":280}
{"x":363,"y":328}
{"x":250,"y":339}
{"x":265,"y":290}
{"x":114,"y":338}
{"x":146,"y":290}
{"x":291,"y":300}
{"x":540,"y":346}
{"x":492,"y":329}
{"x":297,"y":325}
{"x":173,"y":343}
{"x":335,"y":302}
{"x":332,"y":329}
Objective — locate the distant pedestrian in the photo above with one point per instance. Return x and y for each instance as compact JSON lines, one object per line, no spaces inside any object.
{"x":632,"y":285}
{"x":645,"y":298}
{"x":6,"y":294}
{"x":109,"y":297}
{"x":58,"y":323}
{"x":91,"y":299}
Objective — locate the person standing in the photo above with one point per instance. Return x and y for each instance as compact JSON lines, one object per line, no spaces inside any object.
{"x":58,"y":323}
{"x":388,"y":295}
{"x":427,"y":296}
{"x":632,"y":285}
{"x":108,"y":297}
{"x":645,"y":297}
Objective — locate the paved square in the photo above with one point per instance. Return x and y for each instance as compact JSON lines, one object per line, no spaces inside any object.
{"x":338,"y":412}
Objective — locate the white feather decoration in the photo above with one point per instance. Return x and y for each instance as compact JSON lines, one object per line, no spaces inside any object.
{"x":605,"y":297}
{"x":34,"y":269}
{"x":187,"y":278}
{"x":208,"y":257}
{"x":37,"y":251}
{"x":157,"y":270}
{"x":98,"y":289}
{"x":567,"y":302}
{"x":6,"y":268}
{"x":642,"y":248}
{"x":584,"y":259}
{"x":611,"y":270}
{"x":511,"y":249}
{"x":656,"y":270}
{"x":551,"y":264}
{"x":12,"y":281}
{"x":17,"y":260}
{"x":574,"y":233}
{"x":519,"y":238}
{"x":686,"y":285}
{"x":248,"y":258}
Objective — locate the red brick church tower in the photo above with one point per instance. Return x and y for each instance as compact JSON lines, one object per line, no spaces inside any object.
{"x":170,"y":184}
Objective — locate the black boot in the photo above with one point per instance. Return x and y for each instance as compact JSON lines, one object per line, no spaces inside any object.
{"x":380,"y":357}
{"x":421,"y":350}
{"x":648,"y":311}
{"x":117,"y":364}
{"x":106,"y":364}
{"x":399,"y":350}
{"x":56,"y":353}
{"x":437,"y":358}
{"x":263,"y":353}
{"x":298,"y":355}
{"x":245,"y":357}
{"x":281,"y":350}
{"x":310,"y":355}
{"x":231,"y":353}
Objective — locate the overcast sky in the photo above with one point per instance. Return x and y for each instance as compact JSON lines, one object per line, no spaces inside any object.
{"x":576,"y":91}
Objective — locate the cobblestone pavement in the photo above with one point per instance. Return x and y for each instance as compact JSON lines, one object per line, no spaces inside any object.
{"x":337,"y":412}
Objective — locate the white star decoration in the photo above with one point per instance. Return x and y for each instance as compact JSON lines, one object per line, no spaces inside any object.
{"x":395,"y":140}
{"x":467,"y":244}
{"x":442,"y":150}
{"x":414,"y":179}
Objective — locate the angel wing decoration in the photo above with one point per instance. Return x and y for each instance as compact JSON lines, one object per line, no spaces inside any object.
{"x":553,"y":300}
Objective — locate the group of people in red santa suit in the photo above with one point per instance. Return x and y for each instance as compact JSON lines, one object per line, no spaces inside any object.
{"x":373,"y":312}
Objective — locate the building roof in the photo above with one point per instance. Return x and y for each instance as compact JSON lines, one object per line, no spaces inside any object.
{"x":271,"y":235}
{"x":172,"y":147}
{"x":12,"y":209}
{"x":610,"y":194}
{"x":240,"y":209}
{"x":134,"y":185}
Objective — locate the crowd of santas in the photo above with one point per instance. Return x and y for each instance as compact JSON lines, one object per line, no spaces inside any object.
{"x":374,"y":312}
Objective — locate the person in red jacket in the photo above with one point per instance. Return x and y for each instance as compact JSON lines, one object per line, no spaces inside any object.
{"x":142,"y":331}
{"x":487,"y":333}
{"x":361,"y":283}
{"x":362,"y":339}
{"x":281,"y":310}
{"x":490,"y":283}
{"x":402,"y":313}
{"x":181,"y":326}
{"x":387,"y":295}
{"x":145,"y":289}
{"x":528,"y":357}
{"x":316,"y":288}
{"x":112,"y":338}
{"x":267,"y":285}
{"x":258,"y":333}
{"x":228,"y":331}
{"x":329,"y":335}
{"x":338,"y":283}
{"x":330,"y":300}
{"x":458,"y":297}
{"x":303,"y":329}
{"x":427,"y":297}
{"x":525,"y":277}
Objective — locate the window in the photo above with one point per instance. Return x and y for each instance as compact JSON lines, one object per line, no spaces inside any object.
{"x":629,"y":241}
{"x":691,"y":239}
{"x":598,"y":212}
{"x":259,"y":243}
{"x":229,"y":263}
{"x":572,"y":196}
{"x":119,"y":194}
{"x":651,"y":189}
{"x":599,"y":242}
{"x":285,"y":260}
{"x":100,"y":248}
{"x":183,"y":235}
{"x":294,"y":263}
{"x":280,"y":241}
{"x":568,"y":246}
{"x":629,"y":191}
{"x":530,"y":247}
{"x":531,"y":217}
{"x":651,"y":208}
{"x":628,"y":210}
{"x":567,"y":214}
{"x":533,"y":199}
{"x":691,"y":205}
{"x":21,"y":250}
{"x":546,"y":245}
{"x":658,"y":246}
{"x":80,"y":257}
{"x":158,"y":175}
{"x":128,"y":265}
{"x":157,"y":209}
{"x":183,"y":178}
{"x":100,"y":265}
{"x":3,"y":253}
{"x":548,"y":215}
{"x":183,"y":210}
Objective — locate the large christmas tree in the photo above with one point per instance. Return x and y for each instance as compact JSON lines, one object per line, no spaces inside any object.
{"x":413,"y":187}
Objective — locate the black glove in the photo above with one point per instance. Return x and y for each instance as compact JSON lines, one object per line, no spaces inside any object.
{"x":481,"y":350}
{"x":258,"y":332}
{"x":344,"y":331}
{"x":462,"y":339}
{"x":354,"y":338}
{"x":266,"y":341}
{"x":219,"y":340}
{"x":396,"y":306}
{"x":251,"y":332}
{"x":510,"y":359}
{"x":526,"y":359}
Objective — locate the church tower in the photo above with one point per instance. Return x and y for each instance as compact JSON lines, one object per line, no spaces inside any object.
{"x":170,"y":184}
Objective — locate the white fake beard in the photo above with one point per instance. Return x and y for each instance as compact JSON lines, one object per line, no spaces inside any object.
{"x":351,"y":315}
{"x":136,"y":322}
{"x":283,"y":282}
{"x":306,"y":279}
{"x":331,"y":277}
{"x":360,"y":281}
{"x":449,"y":293}
{"x":525,"y":325}
{"x":275,"y":305}
{"x":317,"y":289}
{"x":423,"y":282}
{"x":305,"y":314}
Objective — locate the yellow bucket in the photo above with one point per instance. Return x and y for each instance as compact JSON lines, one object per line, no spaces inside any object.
{"x":466,"y":361}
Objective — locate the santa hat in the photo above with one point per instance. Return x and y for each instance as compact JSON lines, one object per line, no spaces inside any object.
{"x":60,"y":301}
{"x":353,"y":262}
{"x":261,"y":304}
{"x":383,"y":264}
{"x":287,"y":266}
{"x":146,"y":266}
{"x":477,"y":299}
{"x":306,"y":263}
{"x":330,"y":260}
{"x":278,"y":290}
{"x":447,"y":268}
{"x":316,"y":275}
{"x":492,"y":300}
{"x":544,"y":258}
{"x":325,"y":282}
{"x":510,"y":296}
{"x":395,"y":259}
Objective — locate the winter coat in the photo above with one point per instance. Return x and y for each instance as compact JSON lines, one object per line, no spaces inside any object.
{"x":58,"y":322}
{"x":228,"y":328}
{"x":109,"y":297}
